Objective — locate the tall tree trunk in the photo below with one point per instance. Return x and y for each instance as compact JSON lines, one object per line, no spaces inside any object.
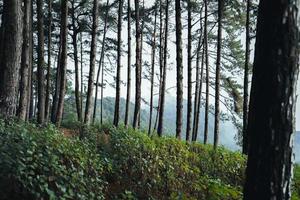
{"x":141,"y":56}
{"x":161,"y":60}
{"x":63,"y":62}
{"x":89,"y":106}
{"x":100,"y":61}
{"x":246,"y":80}
{"x":128,"y":65}
{"x":76,"y":65}
{"x":272,"y":101}
{"x":41,"y":62}
{"x":152,"y":69}
{"x":137,"y":107}
{"x":57,"y":84}
{"x":164,"y":74}
{"x":207,"y":73}
{"x":179,"y":70}
{"x":10,"y":56}
{"x":102,"y":89}
{"x":189,"y":75}
{"x":25,"y":61}
{"x":81,"y":75}
{"x":47,"y":101}
{"x":199,"y":96}
{"x":118,"y":77}
{"x":30,"y":81}
{"x":218,"y":68}
{"x":197,"y":88}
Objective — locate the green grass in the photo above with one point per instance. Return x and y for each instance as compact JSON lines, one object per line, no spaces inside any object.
{"x":115,"y":163}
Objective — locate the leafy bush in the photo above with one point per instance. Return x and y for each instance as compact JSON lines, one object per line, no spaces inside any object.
{"x":42,"y":164}
{"x":155,"y":168}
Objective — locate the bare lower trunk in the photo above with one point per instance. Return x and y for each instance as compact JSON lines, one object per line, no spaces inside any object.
{"x":164,"y":75}
{"x":25,"y":62}
{"x":272,"y":101}
{"x":179,"y":70}
{"x":189,"y":75}
{"x":47,"y":101}
{"x":40,"y":66}
{"x":89,"y":106}
{"x":100,"y":62}
{"x":207,"y":74}
{"x":128,"y":65}
{"x":63,"y":62}
{"x":218,"y":69}
{"x":10,"y":56}
{"x":138,"y":78}
{"x":118,"y":76}
{"x":152,"y":70}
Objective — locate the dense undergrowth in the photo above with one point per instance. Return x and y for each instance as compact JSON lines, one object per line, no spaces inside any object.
{"x":115,"y":163}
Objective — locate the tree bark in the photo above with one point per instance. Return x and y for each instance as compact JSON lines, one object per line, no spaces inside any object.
{"x":30,"y":81}
{"x":246,"y":80}
{"x":128,"y":65}
{"x":25,"y":62}
{"x":138,"y":78}
{"x":76,"y":64}
{"x":179,"y":70}
{"x":10,"y":56}
{"x":198,"y":88}
{"x":89,"y":107}
{"x":152,"y":70}
{"x":164,"y":75}
{"x":161,"y":61}
{"x":63,"y":62}
{"x":189,"y":75}
{"x":118,"y":76}
{"x":47,"y":101}
{"x":207,"y":73}
{"x":218,"y":69}
{"x":41,"y":63}
{"x":272,"y":101}
{"x":100,"y":61}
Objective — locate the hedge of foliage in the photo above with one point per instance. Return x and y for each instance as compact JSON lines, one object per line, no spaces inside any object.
{"x":42,"y":164}
{"x":158,"y":168}
{"x":115,"y":163}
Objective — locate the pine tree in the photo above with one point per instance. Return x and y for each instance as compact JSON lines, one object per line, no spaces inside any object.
{"x":63,"y":61}
{"x":179,"y":70}
{"x":118,"y":77}
{"x":10,"y":56}
{"x":88,"y":107}
{"x":272,"y":101}
{"x":152,"y":68}
{"x":128,"y":63}
{"x":218,"y":69}
{"x":137,"y":108}
{"x":164,"y":74}
{"x":25,"y":62}
{"x":189,"y":74}
{"x":41,"y":62}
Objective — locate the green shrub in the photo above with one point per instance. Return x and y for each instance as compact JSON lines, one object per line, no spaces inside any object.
{"x":42,"y":164}
{"x":160,"y":168}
